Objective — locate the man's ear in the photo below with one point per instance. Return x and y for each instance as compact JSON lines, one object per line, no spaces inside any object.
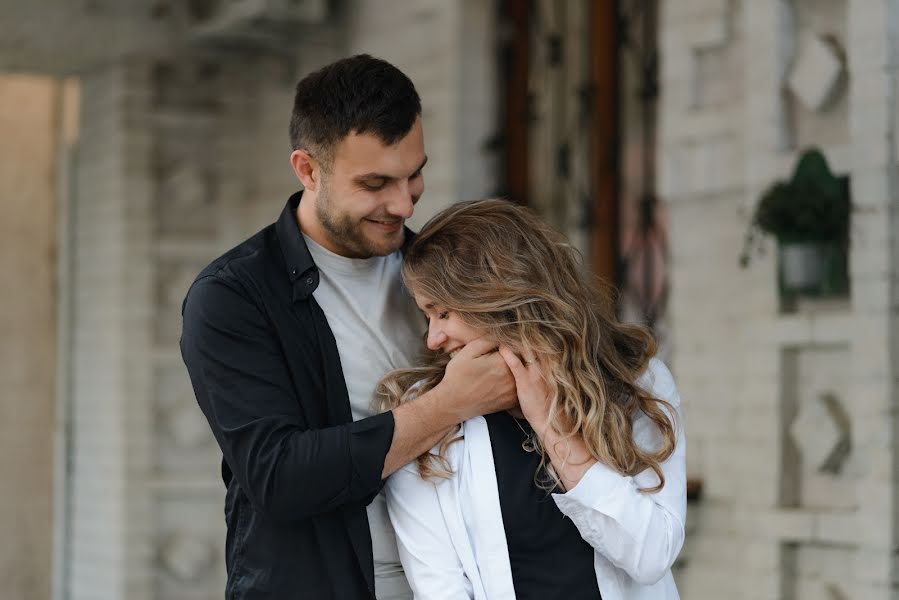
{"x":307,"y":169}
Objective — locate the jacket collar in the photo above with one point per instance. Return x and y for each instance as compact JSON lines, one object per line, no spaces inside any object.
{"x":300,"y":267}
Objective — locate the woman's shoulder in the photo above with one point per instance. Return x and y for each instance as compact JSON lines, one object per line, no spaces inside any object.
{"x":474,"y":433}
{"x":658,"y":381}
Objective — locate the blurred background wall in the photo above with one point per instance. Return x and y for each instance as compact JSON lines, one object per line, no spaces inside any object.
{"x":143,"y":138}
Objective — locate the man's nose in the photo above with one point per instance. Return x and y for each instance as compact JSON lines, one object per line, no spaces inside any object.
{"x":401,"y":202}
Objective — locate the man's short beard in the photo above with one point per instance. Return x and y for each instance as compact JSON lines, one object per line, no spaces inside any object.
{"x":345,"y":232}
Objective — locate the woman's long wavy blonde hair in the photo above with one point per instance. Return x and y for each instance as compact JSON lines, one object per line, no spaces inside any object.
{"x":504,"y":271}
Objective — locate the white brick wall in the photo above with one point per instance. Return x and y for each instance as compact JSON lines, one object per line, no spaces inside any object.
{"x":748,"y":540}
{"x":101,"y":363}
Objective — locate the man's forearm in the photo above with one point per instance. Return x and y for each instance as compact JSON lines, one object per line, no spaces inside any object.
{"x":418,"y":426}
{"x":477,"y":382}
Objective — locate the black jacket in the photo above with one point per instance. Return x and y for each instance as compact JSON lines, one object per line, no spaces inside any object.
{"x":299,"y":472}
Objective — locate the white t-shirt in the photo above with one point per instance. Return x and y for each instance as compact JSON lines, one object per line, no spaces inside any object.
{"x":378,"y":328}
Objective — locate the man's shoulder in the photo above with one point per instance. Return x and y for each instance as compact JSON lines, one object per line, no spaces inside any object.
{"x":251,"y":258}
{"x":248,"y":268}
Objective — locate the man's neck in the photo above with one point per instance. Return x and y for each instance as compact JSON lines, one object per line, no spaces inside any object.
{"x":309,"y":225}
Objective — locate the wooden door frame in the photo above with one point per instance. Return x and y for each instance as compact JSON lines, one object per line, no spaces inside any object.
{"x":604,"y":140}
{"x":604,"y":256}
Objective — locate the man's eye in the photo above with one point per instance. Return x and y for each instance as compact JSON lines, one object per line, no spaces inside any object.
{"x":373,"y":186}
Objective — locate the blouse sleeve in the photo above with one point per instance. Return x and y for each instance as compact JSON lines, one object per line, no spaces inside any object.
{"x":639,"y":533}
{"x":426,"y":550}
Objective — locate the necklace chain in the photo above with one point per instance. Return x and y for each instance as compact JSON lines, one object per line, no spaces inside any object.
{"x":529,"y":443}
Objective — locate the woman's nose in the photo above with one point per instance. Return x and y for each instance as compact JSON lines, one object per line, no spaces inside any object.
{"x":435,"y":337}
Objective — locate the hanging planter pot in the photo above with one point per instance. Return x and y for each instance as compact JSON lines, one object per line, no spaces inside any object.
{"x":809,"y":216}
{"x":812,"y":268}
{"x":802,"y":266}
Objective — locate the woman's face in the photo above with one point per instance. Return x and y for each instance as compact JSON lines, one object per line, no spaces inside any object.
{"x":446,"y":330}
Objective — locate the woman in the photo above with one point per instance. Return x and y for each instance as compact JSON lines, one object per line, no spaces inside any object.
{"x":580,"y":493}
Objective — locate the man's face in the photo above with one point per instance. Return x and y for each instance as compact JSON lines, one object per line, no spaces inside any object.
{"x":370,"y":191}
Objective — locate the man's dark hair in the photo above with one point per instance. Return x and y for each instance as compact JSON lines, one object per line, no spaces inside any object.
{"x":359,"y":94}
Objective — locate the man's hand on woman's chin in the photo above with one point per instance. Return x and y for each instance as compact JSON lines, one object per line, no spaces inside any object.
{"x":478,"y":381}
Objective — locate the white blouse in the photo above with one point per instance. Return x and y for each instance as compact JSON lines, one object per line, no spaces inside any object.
{"x":450,"y":531}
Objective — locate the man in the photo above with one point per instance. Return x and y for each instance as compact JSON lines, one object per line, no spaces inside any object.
{"x":286,"y":335}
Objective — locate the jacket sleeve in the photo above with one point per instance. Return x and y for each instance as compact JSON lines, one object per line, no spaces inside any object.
{"x":639,"y":533}
{"x":426,"y":550}
{"x":244,"y":388}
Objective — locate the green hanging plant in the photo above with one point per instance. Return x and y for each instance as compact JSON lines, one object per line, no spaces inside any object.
{"x":813,"y":206}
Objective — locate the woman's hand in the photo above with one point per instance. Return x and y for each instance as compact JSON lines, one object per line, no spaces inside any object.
{"x":533,"y":393}
{"x":568,"y":454}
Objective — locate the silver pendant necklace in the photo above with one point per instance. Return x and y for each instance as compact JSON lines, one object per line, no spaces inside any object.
{"x":529,"y":443}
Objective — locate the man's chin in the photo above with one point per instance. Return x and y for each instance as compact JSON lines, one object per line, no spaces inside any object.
{"x":379,"y":247}
{"x":388,"y":245}
{"x":386,"y":250}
